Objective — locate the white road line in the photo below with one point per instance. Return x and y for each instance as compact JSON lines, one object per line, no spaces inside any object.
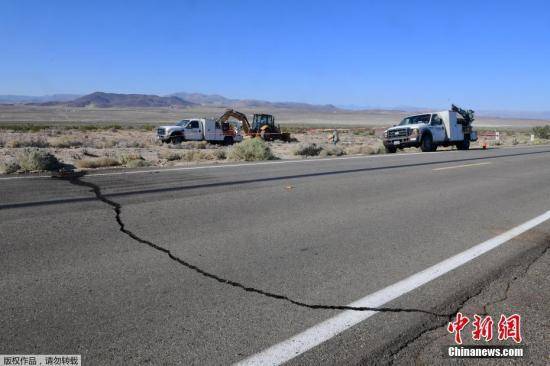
{"x":461,"y":166}
{"x":302,"y":342}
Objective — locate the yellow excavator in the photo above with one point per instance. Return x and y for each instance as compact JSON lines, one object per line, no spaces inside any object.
{"x":263,"y":125}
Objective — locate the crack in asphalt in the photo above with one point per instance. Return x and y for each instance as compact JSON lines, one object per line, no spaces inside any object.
{"x":117,"y":207}
{"x":513,"y":279}
{"x":522,"y":271}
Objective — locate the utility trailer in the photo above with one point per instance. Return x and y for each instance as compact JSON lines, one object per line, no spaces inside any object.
{"x":430,"y":130}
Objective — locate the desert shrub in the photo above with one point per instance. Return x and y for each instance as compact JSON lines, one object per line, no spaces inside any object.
{"x":195,"y":155}
{"x":251,"y":150}
{"x":329,"y":150}
{"x":137,"y":163}
{"x":148,"y":127}
{"x":9,"y":166}
{"x":24,"y":127}
{"x":137,"y":144}
{"x":542,"y":132}
{"x":65,"y":142}
{"x":194,"y":145}
{"x":220,"y":154}
{"x":103,"y":143}
{"x":127,"y":157}
{"x":307,"y":149}
{"x":36,"y":159}
{"x":39,"y":142}
{"x":97,"y":163}
{"x":170,"y":155}
{"x":366,"y":149}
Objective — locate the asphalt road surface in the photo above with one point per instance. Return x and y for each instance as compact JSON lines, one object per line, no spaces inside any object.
{"x":217,"y":264}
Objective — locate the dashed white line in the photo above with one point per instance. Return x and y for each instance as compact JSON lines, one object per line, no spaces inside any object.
{"x":461,"y":166}
{"x":302,"y":342}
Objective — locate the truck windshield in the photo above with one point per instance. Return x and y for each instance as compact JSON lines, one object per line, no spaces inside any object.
{"x":424,"y":118}
{"x":182,"y":123}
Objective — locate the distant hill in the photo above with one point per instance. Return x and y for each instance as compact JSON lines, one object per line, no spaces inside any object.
{"x":215,"y":100}
{"x":22,"y":99}
{"x":107,"y":100}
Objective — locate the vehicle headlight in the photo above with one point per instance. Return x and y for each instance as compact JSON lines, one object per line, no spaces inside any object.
{"x":414,"y":132}
{"x":385,"y":134}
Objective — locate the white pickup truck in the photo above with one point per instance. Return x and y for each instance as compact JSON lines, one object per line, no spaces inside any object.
{"x":430,"y":130}
{"x":198,"y":129}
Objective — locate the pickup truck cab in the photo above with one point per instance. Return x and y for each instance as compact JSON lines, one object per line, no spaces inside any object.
{"x":430,"y":130}
{"x":199,"y":129}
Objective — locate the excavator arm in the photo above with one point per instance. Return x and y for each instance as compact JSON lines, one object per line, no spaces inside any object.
{"x":468,"y":115}
{"x":238,"y":116}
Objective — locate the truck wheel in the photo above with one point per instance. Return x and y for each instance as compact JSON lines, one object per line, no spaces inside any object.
{"x":176,"y":139}
{"x":228,"y":140}
{"x":390,"y":149}
{"x":427,"y":143}
{"x":464,"y":144}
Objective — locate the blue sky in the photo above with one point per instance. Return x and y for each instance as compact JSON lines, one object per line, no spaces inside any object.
{"x":481,"y":54}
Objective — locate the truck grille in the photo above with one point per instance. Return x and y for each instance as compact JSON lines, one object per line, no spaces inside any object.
{"x":161,"y":131}
{"x":401,"y":132}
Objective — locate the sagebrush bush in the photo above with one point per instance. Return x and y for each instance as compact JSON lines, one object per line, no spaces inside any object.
{"x":542,"y":132}
{"x":195,"y":155}
{"x":28,"y":142}
{"x":220,"y":154}
{"x":329,"y":150}
{"x":137,"y":163}
{"x":251,"y":150}
{"x":97,"y":163}
{"x":9,"y":166}
{"x":35,"y":159}
{"x":127,"y":157}
{"x":305,"y":149}
{"x":170,"y":155}
{"x":366,"y":149}
{"x":65,"y":142}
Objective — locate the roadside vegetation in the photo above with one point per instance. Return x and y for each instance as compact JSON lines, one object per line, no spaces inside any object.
{"x":102,"y":162}
{"x":251,"y":150}
{"x":542,"y":132}
{"x":31,"y":159}
{"x":93,"y":146}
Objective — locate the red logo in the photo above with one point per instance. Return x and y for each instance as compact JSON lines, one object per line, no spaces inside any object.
{"x":482,"y":328}
{"x":457,"y":326}
{"x":508,"y":327}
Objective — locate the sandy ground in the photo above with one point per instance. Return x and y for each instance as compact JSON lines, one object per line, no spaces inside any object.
{"x":155,"y":116}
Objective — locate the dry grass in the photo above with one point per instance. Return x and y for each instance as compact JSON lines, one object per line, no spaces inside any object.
{"x":332,"y":150}
{"x":27,"y":141}
{"x":137,"y":163}
{"x":97,"y":163}
{"x":365,"y":149}
{"x":65,"y":142}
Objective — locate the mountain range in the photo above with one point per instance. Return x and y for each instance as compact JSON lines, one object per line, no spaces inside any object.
{"x":185,"y":100}
{"x":177,"y":100}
